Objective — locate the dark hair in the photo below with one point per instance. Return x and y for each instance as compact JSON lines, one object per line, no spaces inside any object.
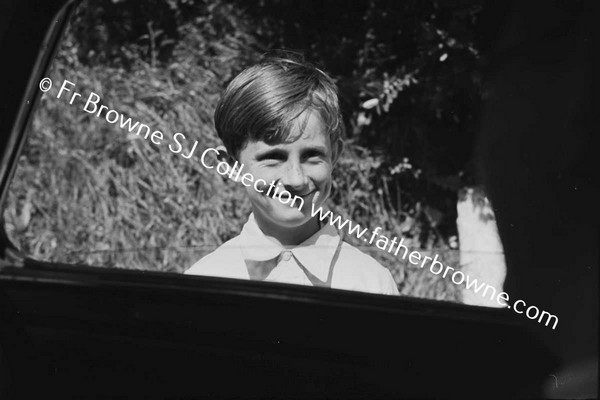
{"x":262,"y":102}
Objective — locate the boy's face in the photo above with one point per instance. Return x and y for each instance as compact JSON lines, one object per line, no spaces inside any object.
{"x":302,"y":166}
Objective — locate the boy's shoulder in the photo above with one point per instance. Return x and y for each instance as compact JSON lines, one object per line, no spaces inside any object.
{"x":361,"y":267}
{"x":225,"y":261}
{"x":359,"y":258}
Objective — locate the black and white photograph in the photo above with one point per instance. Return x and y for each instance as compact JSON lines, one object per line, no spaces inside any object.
{"x":275,"y":199}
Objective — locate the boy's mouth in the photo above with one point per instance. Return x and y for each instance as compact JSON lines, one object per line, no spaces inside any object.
{"x":304,"y":195}
{"x":292,"y":195}
{"x":315,"y":198}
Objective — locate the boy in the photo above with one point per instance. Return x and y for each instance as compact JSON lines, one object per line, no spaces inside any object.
{"x":280,"y":119}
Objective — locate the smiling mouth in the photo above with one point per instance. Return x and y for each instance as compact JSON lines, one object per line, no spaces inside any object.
{"x":304,"y":195}
{"x":292,"y":195}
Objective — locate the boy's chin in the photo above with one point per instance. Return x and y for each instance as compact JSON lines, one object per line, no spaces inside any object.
{"x":290,"y":221}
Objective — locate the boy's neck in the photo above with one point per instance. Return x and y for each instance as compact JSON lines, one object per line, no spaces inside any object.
{"x":288,"y":236}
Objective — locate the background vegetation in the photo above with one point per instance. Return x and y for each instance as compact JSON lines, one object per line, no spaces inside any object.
{"x":86,"y":192}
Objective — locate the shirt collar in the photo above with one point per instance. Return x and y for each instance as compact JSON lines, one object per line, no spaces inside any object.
{"x":315,"y":253}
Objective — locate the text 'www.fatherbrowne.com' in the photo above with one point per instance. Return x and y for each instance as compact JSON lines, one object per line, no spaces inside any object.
{"x":435,"y":267}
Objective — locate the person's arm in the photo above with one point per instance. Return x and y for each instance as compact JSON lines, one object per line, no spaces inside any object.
{"x":389,"y":286}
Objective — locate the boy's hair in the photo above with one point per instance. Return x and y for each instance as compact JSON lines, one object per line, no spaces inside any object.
{"x":263,"y":101}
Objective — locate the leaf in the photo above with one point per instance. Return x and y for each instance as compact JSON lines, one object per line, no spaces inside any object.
{"x":367,"y":105}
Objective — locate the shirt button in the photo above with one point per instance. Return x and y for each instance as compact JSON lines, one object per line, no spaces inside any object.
{"x":286,"y":255}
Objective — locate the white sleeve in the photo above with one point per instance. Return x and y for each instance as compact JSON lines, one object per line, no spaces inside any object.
{"x":390,"y":286}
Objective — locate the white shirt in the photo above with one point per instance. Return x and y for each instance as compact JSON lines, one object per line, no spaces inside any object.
{"x":305,"y":264}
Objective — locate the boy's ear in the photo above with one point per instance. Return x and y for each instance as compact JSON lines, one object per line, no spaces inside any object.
{"x":336,"y":150}
{"x":224,"y":155}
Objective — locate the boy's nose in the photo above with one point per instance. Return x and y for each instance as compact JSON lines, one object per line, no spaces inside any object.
{"x":294,"y":179}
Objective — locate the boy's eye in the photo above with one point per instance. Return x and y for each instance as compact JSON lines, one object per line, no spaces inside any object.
{"x":271,"y":163}
{"x":314,"y":155}
{"x":272,"y":156}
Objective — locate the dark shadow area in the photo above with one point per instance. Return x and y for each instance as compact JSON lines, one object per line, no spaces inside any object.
{"x":537,"y":151}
